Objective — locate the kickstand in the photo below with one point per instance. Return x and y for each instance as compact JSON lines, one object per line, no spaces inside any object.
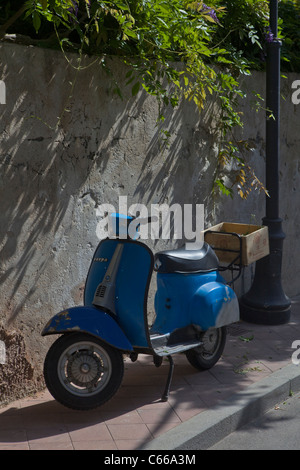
{"x":168,"y":384}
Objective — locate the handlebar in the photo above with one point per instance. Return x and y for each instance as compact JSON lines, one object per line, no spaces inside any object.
{"x":146,"y":220}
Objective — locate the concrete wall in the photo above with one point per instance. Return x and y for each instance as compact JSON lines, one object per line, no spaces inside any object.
{"x":54,"y":174}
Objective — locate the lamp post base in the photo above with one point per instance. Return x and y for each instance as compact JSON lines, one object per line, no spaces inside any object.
{"x":266,"y":302}
{"x":261,"y":316}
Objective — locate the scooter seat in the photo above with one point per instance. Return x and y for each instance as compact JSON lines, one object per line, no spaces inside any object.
{"x":186,"y":261}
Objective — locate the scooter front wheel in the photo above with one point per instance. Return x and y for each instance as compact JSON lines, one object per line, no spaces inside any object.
{"x":82,"y":372}
{"x":209,"y":352}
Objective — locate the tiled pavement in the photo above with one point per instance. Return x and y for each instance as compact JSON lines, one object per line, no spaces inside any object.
{"x":136,"y":415}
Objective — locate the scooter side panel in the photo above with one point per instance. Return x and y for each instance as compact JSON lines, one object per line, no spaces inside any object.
{"x":214,"y":305}
{"x":174,"y":300}
{"x":132,"y":285}
{"x":132,"y":292}
{"x":89,"y":320}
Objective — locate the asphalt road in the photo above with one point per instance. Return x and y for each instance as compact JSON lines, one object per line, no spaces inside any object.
{"x":278,"y":429}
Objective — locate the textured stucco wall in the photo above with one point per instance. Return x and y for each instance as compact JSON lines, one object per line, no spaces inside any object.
{"x":53,"y":178}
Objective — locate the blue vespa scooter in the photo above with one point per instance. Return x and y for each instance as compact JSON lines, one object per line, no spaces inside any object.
{"x":193,"y":304}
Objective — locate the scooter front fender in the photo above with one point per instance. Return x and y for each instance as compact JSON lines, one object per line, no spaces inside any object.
{"x":88,"y":320}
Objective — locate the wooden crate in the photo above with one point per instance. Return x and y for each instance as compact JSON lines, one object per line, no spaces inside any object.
{"x":254,"y":240}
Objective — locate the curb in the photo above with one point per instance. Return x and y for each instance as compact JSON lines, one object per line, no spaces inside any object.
{"x":209,"y":427}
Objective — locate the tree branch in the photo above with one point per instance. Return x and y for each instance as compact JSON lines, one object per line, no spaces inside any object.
{"x":11,"y":20}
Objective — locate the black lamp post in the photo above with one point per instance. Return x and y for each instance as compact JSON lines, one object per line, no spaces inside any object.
{"x":265,"y":302}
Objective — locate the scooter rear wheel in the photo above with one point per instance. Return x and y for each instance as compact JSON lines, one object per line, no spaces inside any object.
{"x":82,"y":372}
{"x":204,"y":357}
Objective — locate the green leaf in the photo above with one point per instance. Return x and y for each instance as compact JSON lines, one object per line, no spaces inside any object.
{"x":44,"y":4}
{"x":224,"y":189}
{"x":245,"y":339}
{"x":135,"y":88}
{"x":36,"y":20}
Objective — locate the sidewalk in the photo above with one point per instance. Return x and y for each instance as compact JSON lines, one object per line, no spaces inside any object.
{"x":254,"y":373}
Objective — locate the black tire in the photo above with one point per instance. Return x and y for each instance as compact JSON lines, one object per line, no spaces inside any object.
{"x":82,"y":372}
{"x":204,"y":357}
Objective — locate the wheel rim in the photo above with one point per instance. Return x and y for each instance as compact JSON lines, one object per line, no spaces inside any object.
{"x":211,"y":342}
{"x":84,"y":369}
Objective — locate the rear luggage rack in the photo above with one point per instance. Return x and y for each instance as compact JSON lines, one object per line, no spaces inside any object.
{"x":236,"y":264}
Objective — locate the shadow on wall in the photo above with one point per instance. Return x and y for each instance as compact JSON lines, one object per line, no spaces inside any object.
{"x":187,"y":162}
{"x":102,"y":148}
{"x":38,"y":172}
{"x":44,"y":168}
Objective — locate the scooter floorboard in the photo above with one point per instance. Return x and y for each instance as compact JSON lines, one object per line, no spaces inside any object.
{"x":167,"y":350}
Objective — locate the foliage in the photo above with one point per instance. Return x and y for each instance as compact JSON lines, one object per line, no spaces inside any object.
{"x":214,"y":44}
{"x":289,"y":12}
{"x":244,"y":28}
